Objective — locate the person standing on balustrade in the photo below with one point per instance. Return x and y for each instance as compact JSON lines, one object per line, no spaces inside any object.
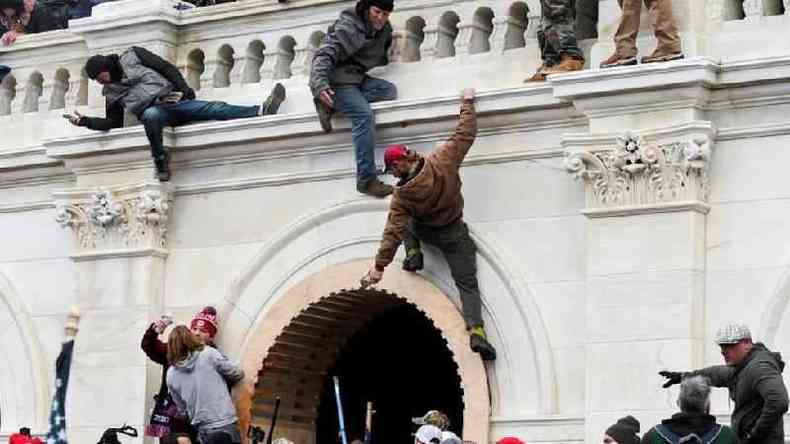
{"x":668,"y":47}
{"x":557,"y":38}
{"x":152,"y":89}
{"x":357,"y":42}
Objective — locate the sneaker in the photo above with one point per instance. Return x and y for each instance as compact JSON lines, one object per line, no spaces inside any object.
{"x":480,"y":345}
{"x":413,"y":261}
{"x":162,"y":165}
{"x":615,"y":60}
{"x":375,"y":188}
{"x":568,"y":63}
{"x":539,"y":75}
{"x":324,"y":115}
{"x":656,"y":57}
{"x":272,"y":103}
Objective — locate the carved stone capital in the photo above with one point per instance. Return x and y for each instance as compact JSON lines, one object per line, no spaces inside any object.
{"x":121,"y":218}
{"x":639,"y":177}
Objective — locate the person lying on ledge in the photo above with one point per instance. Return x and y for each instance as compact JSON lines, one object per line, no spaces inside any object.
{"x":151,"y":88}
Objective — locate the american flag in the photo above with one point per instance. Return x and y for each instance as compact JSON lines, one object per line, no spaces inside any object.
{"x":57,"y":415}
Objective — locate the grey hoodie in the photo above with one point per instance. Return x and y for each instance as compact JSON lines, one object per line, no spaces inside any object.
{"x":197,"y":385}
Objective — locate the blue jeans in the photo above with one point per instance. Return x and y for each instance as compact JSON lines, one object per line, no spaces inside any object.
{"x":354,"y":101}
{"x":155,"y":118}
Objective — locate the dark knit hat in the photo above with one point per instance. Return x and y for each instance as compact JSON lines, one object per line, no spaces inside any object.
{"x":624,"y":430}
{"x":387,"y":5}
{"x":96,"y":65}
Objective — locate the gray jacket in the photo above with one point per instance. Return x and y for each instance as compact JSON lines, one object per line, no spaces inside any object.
{"x":198,"y":388}
{"x":141,"y":86}
{"x":759,"y":393}
{"x":352,"y":47}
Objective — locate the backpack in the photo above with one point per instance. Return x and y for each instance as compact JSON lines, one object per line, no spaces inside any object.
{"x":665,"y":435}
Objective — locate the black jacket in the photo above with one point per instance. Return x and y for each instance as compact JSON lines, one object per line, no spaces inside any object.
{"x":683,"y":424}
{"x":115,"y":111}
{"x":759,"y":393}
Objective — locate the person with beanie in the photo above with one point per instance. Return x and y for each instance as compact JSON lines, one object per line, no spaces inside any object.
{"x":18,"y":17}
{"x":151,"y":88}
{"x":357,"y":42}
{"x":204,"y":325}
{"x":694,"y":424}
{"x":196,"y":380}
{"x":624,"y":431}
{"x":428,"y":206}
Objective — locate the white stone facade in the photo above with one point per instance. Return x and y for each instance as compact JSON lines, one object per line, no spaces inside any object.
{"x":620,"y":215}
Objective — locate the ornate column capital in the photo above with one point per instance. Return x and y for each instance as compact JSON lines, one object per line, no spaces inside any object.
{"x":120,"y":220}
{"x":636,"y":177}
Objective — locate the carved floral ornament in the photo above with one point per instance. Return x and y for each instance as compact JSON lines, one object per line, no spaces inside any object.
{"x":110,"y":221}
{"x":635,"y":173}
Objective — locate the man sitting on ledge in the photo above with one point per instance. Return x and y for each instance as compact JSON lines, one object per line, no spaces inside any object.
{"x":151,"y":88}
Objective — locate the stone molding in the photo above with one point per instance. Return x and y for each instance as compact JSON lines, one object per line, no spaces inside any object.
{"x":117,"y":219}
{"x":635,"y":176}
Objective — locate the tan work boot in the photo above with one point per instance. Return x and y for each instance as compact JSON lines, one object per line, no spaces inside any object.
{"x":375,"y":188}
{"x":616,"y":60}
{"x":568,"y":63}
{"x":662,"y":57}
{"x":539,"y":76}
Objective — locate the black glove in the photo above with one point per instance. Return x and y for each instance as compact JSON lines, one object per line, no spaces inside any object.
{"x":189,"y":94}
{"x":672,"y":378}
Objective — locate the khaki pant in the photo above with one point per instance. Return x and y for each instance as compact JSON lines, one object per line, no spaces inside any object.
{"x":666,"y":31}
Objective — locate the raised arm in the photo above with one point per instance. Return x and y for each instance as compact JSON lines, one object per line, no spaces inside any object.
{"x":454,"y":149}
{"x":155,"y":349}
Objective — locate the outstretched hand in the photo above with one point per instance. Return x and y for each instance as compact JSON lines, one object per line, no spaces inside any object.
{"x":372,"y":277}
{"x":468,"y":94}
{"x":672,"y":378}
{"x":76,"y":118}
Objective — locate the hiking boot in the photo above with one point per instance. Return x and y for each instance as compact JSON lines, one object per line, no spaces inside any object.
{"x":616,"y":60}
{"x":480,"y":345}
{"x":568,"y":63}
{"x":324,"y":115}
{"x":539,"y":75}
{"x":658,"y":57}
{"x":272,"y":103}
{"x":375,"y":188}
{"x":413,"y":261}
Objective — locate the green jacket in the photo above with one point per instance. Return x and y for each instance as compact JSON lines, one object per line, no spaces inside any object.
{"x":759,"y":394}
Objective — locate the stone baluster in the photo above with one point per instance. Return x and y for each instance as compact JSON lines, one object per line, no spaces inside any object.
{"x":396,"y":50}
{"x":48,"y":99}
{"x":31,"y":93}
{"x":753,"y":9}
{"x":787,"y":6}
{"x":302,"y":59}
{"x":464,"y":35}
{"x":269,"y":63}
{"x":428,"y":49}
{"x":533,"y":26}
{"x":77,"y":92}
{"x":209,"y":71}
{"x":235,"y":71}
{"x":445,"y":41}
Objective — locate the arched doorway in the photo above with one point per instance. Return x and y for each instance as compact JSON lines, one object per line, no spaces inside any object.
{"x":383,"y":349}
{"x":281,"y":343}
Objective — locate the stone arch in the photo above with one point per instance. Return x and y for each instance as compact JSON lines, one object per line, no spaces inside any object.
{"x":447,"y":33}
{"x":483,"y":26}
{"x":517,"y":23}
{"x":24,"y":379}
{"x":225,"y":62}
{"x":320,"y":241}
{"x":33,"y":91}
{"x":285,"y":57}
{"x":414,"y":36}
{"x":59,"y":89}
{"x":253,"y":62}
{"x":195,"y":68}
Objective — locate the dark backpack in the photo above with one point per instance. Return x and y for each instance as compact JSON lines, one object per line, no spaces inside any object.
{"x":665,"y":435}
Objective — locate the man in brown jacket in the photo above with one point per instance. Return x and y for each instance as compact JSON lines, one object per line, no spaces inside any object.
{"x":427,"y":204}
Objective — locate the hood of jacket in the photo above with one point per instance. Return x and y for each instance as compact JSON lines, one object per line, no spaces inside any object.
{"x":188,"y":363}
{"x":686,"y":423}
{"x":760,"y":353}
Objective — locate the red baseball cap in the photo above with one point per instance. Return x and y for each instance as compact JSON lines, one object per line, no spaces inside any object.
{"x":510,"y":440}
{"x":392,"y":154}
